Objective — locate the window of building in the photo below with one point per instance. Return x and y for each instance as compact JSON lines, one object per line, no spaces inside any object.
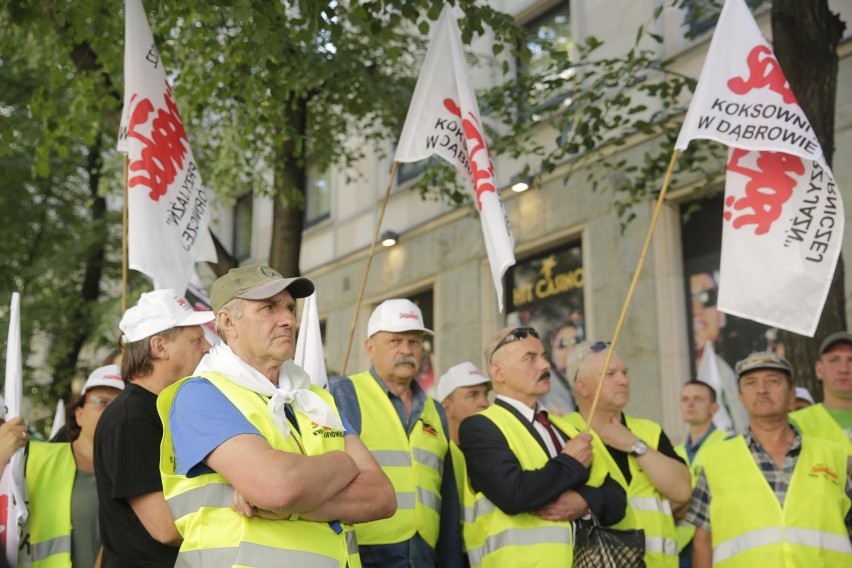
{"x":547,"y":35}
{"x":241,"y":238}
{"x":317,"y":197}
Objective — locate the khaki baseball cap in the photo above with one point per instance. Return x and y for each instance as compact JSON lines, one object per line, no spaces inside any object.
{"x":256,"y":282}
{"x":762,"y":360}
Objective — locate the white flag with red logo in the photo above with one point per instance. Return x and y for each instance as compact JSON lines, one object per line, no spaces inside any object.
{"x":443,"y":119}
{"x":13,"y":507}
{"x":783,"y":219}
{"x":168,"y":207}
{"x":309,"y":352}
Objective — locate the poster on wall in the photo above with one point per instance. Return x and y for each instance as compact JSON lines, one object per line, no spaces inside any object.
{"x":545,"y":291}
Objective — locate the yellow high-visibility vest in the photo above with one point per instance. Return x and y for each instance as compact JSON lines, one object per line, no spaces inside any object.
{"x":496,"y":539}
{"x":750,"y":528}
{"x":815,"y":420}
{"x":50,"y":473}
{"x":214,"y":534}
{"x":414,"y":464}
{"x":647,"y":508}
{"x":686,"y":531}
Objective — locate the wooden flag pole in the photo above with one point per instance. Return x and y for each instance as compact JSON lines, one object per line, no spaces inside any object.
{"x":367,"y":269}
{"x":124,"y":247}
{"x":632,"y":287}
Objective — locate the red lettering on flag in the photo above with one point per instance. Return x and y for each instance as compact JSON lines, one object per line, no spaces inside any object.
{"x":164,"y":152}
{"x":482,"y":177}
{"x":4,"y":522}
{"x":764,"y":71}
{"x":768,"y":189}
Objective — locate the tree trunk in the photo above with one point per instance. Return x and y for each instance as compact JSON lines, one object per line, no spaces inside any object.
{"x":289,"y":196}
{"x":806,"y":35}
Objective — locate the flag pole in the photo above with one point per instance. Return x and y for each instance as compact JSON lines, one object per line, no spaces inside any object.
{"x":124,"y":241}
{"x":367,"y":268}
{"x":632,"y":287}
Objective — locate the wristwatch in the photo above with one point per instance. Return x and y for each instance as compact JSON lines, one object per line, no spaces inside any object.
{"x":639,"y":448}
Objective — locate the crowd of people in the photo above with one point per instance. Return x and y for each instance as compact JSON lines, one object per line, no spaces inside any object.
{"x":195,"y":455}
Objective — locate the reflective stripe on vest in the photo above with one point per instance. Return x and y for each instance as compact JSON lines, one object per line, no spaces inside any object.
{"x":647,"y":508}
{"x":750,"y":526}
{"x":254,"y":555}
{"x":58,"y":545}
{"x":777,"y":535}
{"x":214,"y":534}
{"x":495,"y":539}
{"x":210,"y":495}
{"x":414,"y":463}
{"x":50,"y":473}
{"x":520,"y":537}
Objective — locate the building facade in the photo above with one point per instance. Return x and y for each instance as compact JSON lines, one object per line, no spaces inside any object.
{"x":574,"y":262}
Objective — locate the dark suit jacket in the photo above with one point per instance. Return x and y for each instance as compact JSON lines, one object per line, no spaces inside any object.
{"x":495,"y":470}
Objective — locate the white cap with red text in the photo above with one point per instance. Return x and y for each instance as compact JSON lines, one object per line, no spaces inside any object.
{"x":158,"y":311}
{"x":396,"y":316}
{"x":462,"y":375}
{"x":106,"y":376}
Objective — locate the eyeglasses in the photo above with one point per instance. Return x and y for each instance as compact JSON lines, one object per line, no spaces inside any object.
{"x":99,"y":403}
{"x":514,"y":335}
{"x":598,"y":346}
{"x":705,"y":298}
{"x":566,"y":342}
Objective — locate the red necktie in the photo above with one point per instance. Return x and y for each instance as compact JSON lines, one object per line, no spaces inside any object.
{"x":541,"y":418}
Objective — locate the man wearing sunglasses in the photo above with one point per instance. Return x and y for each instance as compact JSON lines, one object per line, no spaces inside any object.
{"x":532,"y":474}
{"x":637,"y":452}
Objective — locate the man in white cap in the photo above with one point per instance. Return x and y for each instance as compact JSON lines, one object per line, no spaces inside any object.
{"x":804,"y":399}
{"x":258,"y":468}
{"x":408,"y":433}
{"x":163,"y":341}
{"x":462,"y":391}
{"x":832,"y":418}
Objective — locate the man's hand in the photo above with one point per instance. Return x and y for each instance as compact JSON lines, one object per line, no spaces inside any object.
{"x":616,"y":435}
{"x":569,"y":506}
{"x":580,"y":448}
{"x":242,"y":506}
{"x":13,"y":436}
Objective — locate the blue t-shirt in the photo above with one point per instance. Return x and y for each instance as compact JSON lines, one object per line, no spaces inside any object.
{"x":202,"y":419}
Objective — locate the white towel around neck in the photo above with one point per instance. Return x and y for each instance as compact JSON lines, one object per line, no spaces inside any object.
{"x":294,"y":387}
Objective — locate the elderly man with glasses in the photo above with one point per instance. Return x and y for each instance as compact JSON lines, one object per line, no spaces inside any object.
{"x":532,"y":474}
{"x":637,"y":452}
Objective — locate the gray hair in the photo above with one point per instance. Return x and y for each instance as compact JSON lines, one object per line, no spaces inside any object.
{"x":234,"y":307}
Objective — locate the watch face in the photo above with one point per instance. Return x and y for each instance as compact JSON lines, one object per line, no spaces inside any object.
{"x":639,"y":448}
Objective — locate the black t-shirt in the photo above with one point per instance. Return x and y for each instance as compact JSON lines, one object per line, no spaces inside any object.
{"x":127,"y":464}
{"x":664,"y":446}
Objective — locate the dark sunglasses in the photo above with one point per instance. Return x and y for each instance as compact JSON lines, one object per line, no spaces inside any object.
{"x":705,"y":298}
{"x":514,"y":335}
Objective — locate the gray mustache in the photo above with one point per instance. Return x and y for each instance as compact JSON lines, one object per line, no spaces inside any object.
{"x":406,"y":360}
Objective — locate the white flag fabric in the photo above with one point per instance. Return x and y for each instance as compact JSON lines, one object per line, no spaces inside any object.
{"x":444,"y":120}
{"x":309,"y":352}
{"x":709,"y":373}
{"x":58,"y":420}
{"x":200,"y":301}
{"x":13,"y":507}
{"x":168,"y":207}
{"x":783,"y":219}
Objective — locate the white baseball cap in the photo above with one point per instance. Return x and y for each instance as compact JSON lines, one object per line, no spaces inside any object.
{"x":158,"y":311}
{"x":462,"y":375}
{"x":805,"y":394}
{"x":396,"y":316}
{"x":106,"y":376}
